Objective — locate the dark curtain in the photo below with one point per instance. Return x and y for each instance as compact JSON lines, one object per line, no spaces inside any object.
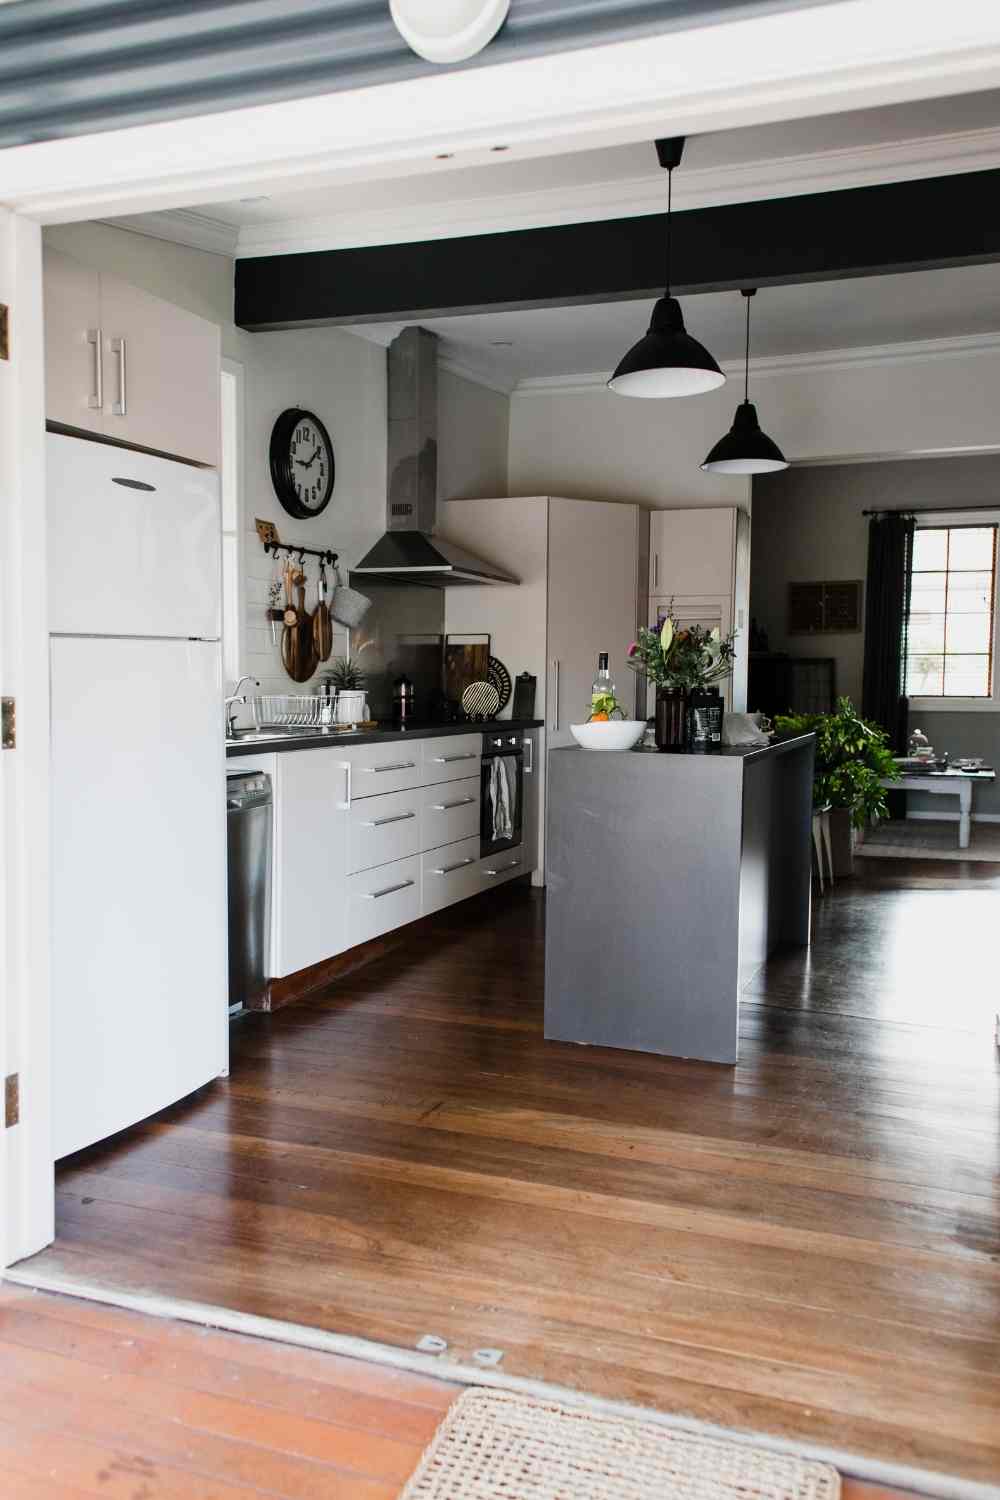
{"x":887,"y":613}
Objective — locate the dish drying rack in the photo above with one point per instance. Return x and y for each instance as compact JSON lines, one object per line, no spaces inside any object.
{"x":301,"y":711}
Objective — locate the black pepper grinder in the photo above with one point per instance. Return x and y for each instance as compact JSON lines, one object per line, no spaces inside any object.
{"x":402,"y":701}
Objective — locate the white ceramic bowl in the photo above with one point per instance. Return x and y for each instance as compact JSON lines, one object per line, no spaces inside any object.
{"x":616,"y":734}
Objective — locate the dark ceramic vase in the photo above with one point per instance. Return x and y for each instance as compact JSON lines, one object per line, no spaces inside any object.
{"x":671,"y":720}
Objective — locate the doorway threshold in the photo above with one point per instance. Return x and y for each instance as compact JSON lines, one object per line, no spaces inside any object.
{"x":51,"y":1277}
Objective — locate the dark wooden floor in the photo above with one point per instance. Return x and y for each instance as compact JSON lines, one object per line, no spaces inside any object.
{"x":807,"y":1244}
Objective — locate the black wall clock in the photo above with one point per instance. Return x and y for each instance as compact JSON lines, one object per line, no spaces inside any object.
{"x":302,"y":463}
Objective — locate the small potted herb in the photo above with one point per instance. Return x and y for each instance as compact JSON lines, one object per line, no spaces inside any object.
{"x":348,"y":680}
{"x":274,"y":612}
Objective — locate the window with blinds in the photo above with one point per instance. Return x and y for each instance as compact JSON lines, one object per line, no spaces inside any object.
{"x":949,"y":647}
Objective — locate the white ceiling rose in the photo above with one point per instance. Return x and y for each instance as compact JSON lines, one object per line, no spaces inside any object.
{"x":448,"y":31}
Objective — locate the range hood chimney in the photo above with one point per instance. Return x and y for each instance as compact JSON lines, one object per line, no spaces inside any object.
{"x":409,"y":552}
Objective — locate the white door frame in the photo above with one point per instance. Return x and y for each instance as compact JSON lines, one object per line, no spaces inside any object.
{"x":848,"y":54}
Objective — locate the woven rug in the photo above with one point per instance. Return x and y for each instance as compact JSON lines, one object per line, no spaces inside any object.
{"x":498,"y":1445}
{"x":919,"y":838}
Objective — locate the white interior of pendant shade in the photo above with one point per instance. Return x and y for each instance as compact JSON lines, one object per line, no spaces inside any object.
{"x":669,"y":380}
{"x":746,"y":466}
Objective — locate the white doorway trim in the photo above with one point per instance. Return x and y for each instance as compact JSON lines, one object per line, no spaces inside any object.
{"x":847,"y":54}
{"x":26,"y":1179}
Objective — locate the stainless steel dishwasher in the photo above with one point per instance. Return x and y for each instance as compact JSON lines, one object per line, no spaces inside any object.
{"x":249,"y":823}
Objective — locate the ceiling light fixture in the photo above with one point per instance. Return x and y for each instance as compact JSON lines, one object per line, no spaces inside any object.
{"x":667,"y":361}
{"x":448,"y":31}
{"x":745,"y":449}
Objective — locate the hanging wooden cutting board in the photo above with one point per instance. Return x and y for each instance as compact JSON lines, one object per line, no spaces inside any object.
{"x":306,"y":659}
{"x":322,"y":627}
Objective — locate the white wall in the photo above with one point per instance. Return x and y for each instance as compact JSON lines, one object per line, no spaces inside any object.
{"x":473,"y":439}
{"x":587,"y":441}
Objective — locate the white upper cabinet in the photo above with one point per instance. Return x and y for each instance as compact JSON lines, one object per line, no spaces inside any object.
{"x":73,"y":355}
{"x":692,"y":552}
{"x":123,"y":363}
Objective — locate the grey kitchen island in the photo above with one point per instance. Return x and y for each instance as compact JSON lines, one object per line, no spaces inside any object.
{"x":670,"y":879}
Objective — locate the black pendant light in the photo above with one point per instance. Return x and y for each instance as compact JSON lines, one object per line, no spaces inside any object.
{"x":667,"y":361}
{"x":745,"y":449}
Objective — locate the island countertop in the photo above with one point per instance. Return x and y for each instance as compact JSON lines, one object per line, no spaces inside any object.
{"x":670,"y":879}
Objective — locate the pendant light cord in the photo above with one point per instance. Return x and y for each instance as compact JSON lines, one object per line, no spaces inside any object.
{"x":746,"y":364}
{"x":670,"y":194}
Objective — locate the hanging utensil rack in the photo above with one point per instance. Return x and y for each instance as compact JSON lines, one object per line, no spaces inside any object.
{"x":291,"y":550}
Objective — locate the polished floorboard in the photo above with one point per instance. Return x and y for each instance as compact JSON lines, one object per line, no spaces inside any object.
{"x":98,"y":1401}
{"x":806,"y":1245}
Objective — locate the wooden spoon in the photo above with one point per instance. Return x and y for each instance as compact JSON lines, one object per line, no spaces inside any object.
{"x":322,"y":628}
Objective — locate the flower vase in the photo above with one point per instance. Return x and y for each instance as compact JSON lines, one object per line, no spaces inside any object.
{"x":671,"y":720}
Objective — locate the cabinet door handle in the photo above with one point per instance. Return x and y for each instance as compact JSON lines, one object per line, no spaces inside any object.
{"x":386,"y":890}
{"x":345,"y":766}
{"x":96,"y":398}
{"x":529,"y":755}
{"x":448,"y":869}
{"x":503,"y":868}
{"x":444,"y":760}
{"x":399,"y":765}
{"x":396,"y":818}
{"x":120,"y":408}
{"x":447,"y":806}
{"x":555,"y":711}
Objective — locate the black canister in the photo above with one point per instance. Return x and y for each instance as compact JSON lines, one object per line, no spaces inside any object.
{"x":402,"y":701}
{"x":704,"y":721}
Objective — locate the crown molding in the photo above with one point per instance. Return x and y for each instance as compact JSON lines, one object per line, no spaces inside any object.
{"x":777,"y":177}
{"x":913,"y":351}
{"x":183,"y":226}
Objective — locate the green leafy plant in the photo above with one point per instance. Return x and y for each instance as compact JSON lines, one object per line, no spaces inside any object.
{"x":345,"y":674}
{"x":852,"y":757}
{"x":682,"y":658}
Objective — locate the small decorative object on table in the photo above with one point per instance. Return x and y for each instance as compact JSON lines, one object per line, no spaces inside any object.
{"x":681,"y":662}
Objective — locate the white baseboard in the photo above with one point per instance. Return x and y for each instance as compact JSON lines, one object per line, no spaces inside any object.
{"x":950,"y":817}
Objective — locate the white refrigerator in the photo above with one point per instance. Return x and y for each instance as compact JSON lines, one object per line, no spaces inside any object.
{"x":139,"y":962}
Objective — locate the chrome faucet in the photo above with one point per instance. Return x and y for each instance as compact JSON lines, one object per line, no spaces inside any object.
{"x":230,"y":712}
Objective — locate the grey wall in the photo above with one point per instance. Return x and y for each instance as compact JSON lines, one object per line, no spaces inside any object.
{"x":808,"y":525}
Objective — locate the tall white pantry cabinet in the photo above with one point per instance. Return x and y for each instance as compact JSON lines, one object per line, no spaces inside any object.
{"x":583,"y":568}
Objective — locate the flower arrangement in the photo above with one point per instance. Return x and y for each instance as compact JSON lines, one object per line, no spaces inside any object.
{"x":681,"y":659}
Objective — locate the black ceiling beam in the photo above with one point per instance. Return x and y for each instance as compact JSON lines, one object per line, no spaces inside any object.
{"x":868,"y":231}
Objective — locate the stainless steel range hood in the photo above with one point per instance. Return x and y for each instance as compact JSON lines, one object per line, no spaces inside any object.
{"x":410,"y":552}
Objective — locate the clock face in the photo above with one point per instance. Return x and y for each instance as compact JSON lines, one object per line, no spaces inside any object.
{"x":302,"y":463}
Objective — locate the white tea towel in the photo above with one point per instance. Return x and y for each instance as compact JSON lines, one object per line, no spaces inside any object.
{"x":503,"y":823}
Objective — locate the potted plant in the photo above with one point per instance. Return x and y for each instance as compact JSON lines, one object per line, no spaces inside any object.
{"x":852,"y":759}
{"x":680,"y":661}
{"x":347,"y":678}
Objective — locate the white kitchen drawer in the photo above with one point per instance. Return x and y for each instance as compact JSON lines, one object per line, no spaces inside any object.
{"x":382,"y":899}
{"x":494,"y":869}
{"x":450,"y":874}
{"x":450,"y":812}
{"x":384,"y":828}
{"x":452,"y":757}
{"x":385,"y":768}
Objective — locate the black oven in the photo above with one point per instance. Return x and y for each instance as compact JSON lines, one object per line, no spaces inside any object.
{"x":502,"y":786}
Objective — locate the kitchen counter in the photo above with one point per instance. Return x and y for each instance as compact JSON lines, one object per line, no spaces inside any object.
{"x":670,"y":879}
{"x":333,"y":737}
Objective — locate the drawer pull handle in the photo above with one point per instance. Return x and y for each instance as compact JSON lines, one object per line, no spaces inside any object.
{"x":448,"y":869}
{"x":387,"y":891}
{"x":399,"y":765}
{"x":503,"y":870}
{"x":381,"y":822}
{"x":447,"y":806}
{"x":444,"y":760}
